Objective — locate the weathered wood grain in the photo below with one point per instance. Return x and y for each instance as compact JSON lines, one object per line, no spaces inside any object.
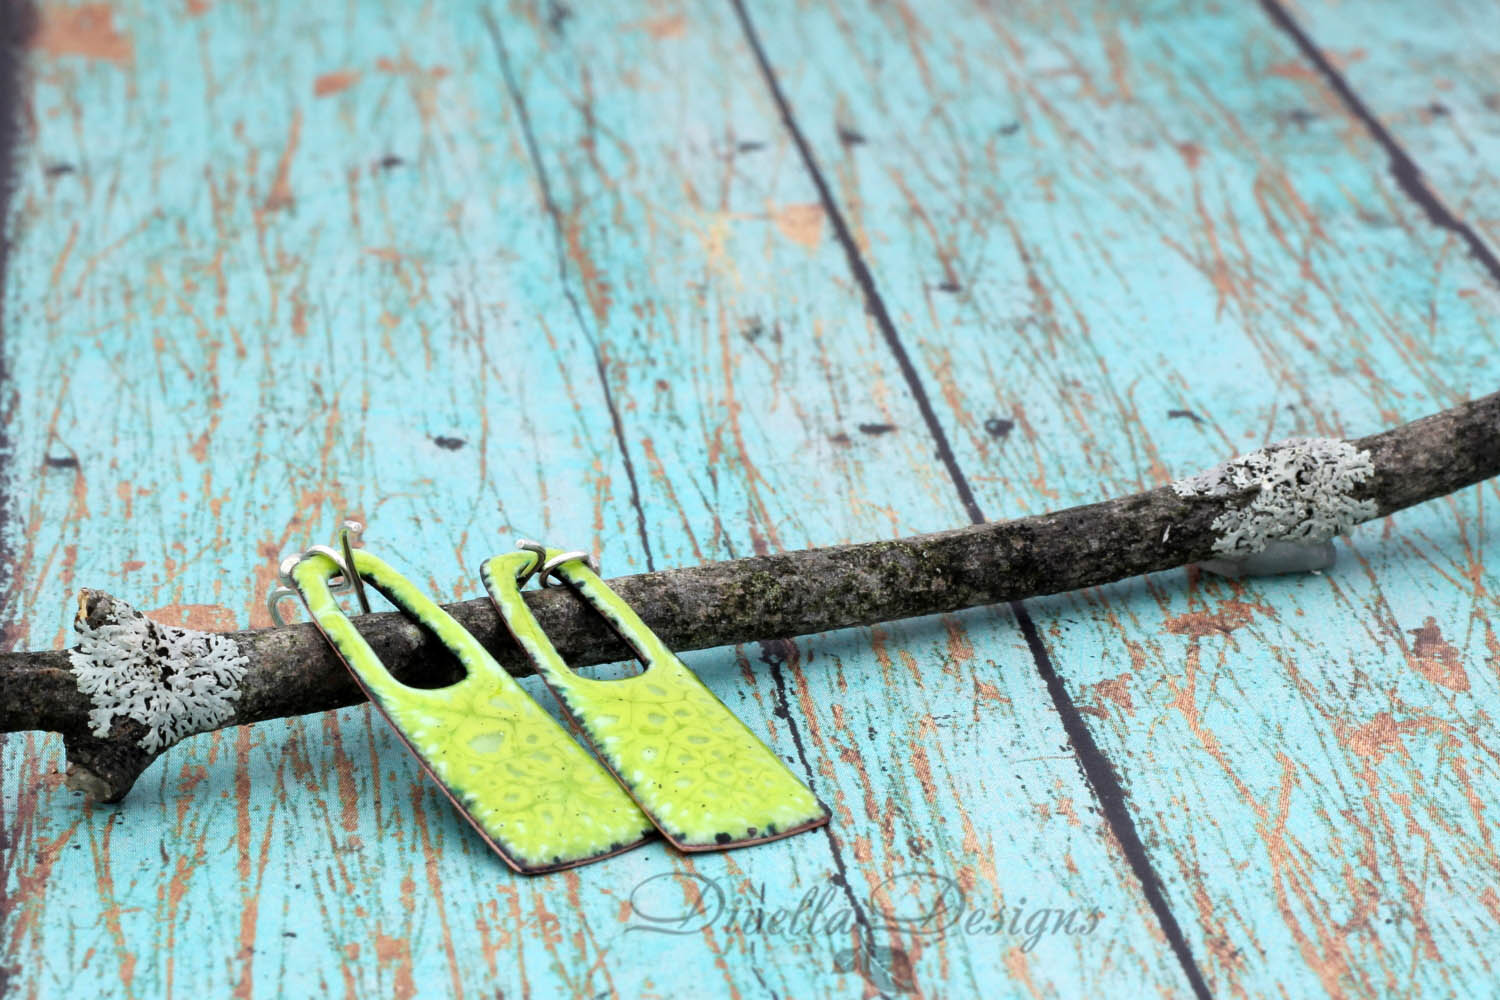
{"x":1119,"y":240}
{"x":302,"y":265}
{"x":323,"y":233}
{"x":1428,"y":75}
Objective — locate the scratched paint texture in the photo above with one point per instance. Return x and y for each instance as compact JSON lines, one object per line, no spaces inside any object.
{"x":572,"y":279}
{"x":1166,"y":212}
{"x":1434,"y":82}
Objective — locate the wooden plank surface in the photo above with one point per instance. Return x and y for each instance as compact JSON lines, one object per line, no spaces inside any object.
{"x":384,"y":306}
{"x":577,"y":281}
{"x":1155,"y":243}
{"x":1429,"y":75}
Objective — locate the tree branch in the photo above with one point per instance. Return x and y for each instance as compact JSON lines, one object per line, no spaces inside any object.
{"x":293,"y":672}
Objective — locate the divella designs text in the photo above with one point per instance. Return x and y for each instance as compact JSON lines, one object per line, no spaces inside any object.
{"x":923,"y":904}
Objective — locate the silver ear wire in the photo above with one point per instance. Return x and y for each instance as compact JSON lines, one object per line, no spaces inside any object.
{"x":347,"y":580}
{"x":545,"y":566}
{"x":273,"y":602}
{"x":537,"y":549}
{"x":284,"y":590}
{"x":562,"y":557}
{"x":350,"y":536}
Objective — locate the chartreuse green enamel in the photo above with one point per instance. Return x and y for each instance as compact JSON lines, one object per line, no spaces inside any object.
{"x":540,"y":800}
{"x":702,"y":776}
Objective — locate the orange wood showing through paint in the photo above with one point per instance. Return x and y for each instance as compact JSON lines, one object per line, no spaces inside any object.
{"x":274,"y":266}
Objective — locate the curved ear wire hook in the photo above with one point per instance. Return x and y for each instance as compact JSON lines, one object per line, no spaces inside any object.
{"x":551,"y":564}
{"x":546,"y":566}
{"x":347,"y":580}
{"x":282,"y":592}
{"x":338,"y":585}
{"x":535,"y":548}
{"x":349,"y":536}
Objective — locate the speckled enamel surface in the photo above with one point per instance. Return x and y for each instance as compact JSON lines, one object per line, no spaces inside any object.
{"x":699,"y":772}
{"x":537,"y":796}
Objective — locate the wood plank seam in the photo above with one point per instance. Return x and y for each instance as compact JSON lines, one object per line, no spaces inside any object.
{"x":554,"y":213}
{"x":775,"y":656}
{"x":1102,"y":778}
{"x":549,"y":203}
{"x":1404,"y":169}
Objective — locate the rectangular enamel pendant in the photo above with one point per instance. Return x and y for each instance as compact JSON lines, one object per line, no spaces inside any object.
{"x":697,"y":771}
{"x":535,"y":795}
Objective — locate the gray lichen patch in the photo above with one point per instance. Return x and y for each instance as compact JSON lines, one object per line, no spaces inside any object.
{"x":1304,"y":494}
{"x":174,"y":681}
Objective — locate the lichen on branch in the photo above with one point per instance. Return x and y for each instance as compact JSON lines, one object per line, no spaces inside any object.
{"x":1304,"y":493}
{"x":173,"y":681}
{"x":1299,"y":490}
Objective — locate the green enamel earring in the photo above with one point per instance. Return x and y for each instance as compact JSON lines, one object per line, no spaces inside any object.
{"x":536,"y":796}
{"x":695,"y":769}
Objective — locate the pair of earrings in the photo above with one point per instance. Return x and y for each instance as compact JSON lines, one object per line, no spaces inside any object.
{"x":678,"y":760}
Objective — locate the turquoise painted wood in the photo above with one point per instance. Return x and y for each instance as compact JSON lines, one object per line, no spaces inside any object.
{"x":1147,"y":222}
{"x":353,"y":261}
{"x":1429,"y":77}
